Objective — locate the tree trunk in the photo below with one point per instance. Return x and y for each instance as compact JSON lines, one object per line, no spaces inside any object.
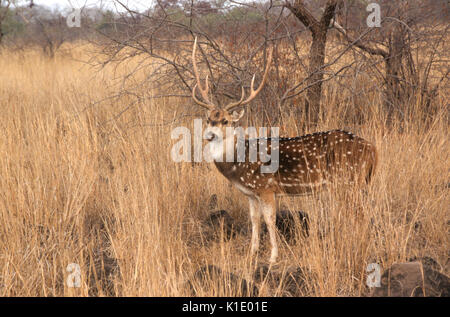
{"x":1,"y":32}
{"x":399,"y":81}
{"x":319,"y":29}
{"x":397,"y":92}
{"x":315,"y":75}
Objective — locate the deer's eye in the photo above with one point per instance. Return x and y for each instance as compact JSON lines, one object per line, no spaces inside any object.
{"x":208,"y":121}
{"x":225,"y":121}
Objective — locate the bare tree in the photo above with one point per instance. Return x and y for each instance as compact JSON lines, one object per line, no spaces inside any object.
{"x":4,"y":10}
{"x":409,"y":28}
{"x":234,"y":38}
{"x":232,"y":49}
{"x":319,"y":29}
{"x":45,"y":29}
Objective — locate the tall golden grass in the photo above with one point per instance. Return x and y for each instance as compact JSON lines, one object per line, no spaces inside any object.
{"x":80,"y":184}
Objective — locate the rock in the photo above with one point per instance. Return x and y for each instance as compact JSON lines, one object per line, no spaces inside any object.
{"x":221,"y":220}
{"x":286,"y":223}
{"x":426,"y":262}
{"x":210,"y":275}
{"x":292,"y":280}
{"x":221,"y":225}
{"x":102,"y":270}
{"x":412,"y":280}
{"x":102,"y":266}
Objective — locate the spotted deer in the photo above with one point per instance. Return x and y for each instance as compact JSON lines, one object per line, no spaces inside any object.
{"x":305,"y":163}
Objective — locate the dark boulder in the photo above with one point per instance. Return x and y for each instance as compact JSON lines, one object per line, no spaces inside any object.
{"x":209,"y":276}
{"x":287,"y":222}
{"x":412,"y":279}
{"x":222,"y":220}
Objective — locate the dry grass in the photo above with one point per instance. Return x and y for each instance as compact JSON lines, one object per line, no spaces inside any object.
{"x":78,"y":187}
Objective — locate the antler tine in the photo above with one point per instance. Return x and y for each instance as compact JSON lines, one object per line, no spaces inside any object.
{"x":200,"y":103}
{"x":253,"y":92}
{"x":235,"y":104}
{"x":203,"y":91}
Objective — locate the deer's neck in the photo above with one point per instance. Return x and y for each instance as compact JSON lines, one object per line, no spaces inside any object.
{"x":224,"y":154}
{"x":218,"y":149}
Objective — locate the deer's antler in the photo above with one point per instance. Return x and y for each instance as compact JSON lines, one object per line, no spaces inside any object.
{"x":253,"y":92}
{"x":203,"y":91}
{"x":206,"y":103}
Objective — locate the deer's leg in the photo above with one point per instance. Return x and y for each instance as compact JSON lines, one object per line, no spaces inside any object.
{"x":255,"y":217}
{"x":268,"y":209}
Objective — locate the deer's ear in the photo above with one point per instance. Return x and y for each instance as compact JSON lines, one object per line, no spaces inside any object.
{"x":236,"y":116}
